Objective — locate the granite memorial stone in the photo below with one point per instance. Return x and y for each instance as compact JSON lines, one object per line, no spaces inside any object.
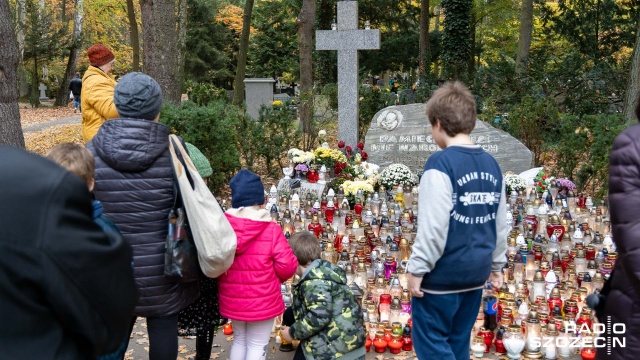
{"x":402,"y":134}
{"x":258,"y":92}
{"x":348,"y":39}
{"x":43,"y":89}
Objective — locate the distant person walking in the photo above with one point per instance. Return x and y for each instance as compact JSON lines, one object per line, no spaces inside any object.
{"x":97,"y":87}
{"x":76,"y":89}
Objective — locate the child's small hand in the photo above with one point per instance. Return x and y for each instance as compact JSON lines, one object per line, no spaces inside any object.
{"x":284,"y":334}
{"x":414,"y":286}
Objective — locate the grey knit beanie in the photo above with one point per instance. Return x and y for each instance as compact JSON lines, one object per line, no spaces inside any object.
{"x":138,"y":96}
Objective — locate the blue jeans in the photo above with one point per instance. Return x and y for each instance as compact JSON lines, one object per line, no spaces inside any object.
{"x":442,"y":324}
{"x":76,"y":102}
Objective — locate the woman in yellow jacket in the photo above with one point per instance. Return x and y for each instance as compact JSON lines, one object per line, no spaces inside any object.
{"x":97,"y":91}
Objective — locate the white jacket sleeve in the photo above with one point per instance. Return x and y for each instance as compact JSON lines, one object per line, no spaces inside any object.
{"x":435,"y":204}
{"x":500,"y":253}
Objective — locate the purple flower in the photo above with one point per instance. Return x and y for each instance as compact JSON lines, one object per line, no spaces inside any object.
{"x":566,"y":183}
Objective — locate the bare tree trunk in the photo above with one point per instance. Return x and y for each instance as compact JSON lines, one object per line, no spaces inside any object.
{"x":76,"y":40}
{"x":424,"y":37}
{"x":631,"y":97}
{"x":238,"y":83}
{"x":436,"y":27}
{"x":472,"y":56}
{"x":524,"y":42}
{"x":182,"y":37}
{"x":306,"y":22}
{"x":133,"y":35}
{"x":160,"y":38}
{"x":21,"y":13}
{"x":10,"y":128}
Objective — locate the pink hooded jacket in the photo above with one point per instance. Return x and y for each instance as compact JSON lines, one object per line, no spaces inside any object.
{"x":250,"y":289}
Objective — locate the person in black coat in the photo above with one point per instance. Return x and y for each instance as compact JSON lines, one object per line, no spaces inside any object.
{"x":75,"y":85}
{"x":134,"y":181}
{"x":623,"y":300}
{"x":67,"y":288}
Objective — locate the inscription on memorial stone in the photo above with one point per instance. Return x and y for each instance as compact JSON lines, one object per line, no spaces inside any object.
{"x":402,"y":134}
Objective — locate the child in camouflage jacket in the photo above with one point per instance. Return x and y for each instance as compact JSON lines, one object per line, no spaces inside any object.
{"x":329,"y":322}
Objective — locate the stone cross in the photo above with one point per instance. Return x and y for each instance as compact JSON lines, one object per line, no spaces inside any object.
{"x":348,"y":39}
{"x":43,"y":88}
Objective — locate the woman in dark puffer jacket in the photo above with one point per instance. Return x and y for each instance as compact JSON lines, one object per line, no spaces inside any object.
{"x":623,"y":302}
{"x":134,"y":182}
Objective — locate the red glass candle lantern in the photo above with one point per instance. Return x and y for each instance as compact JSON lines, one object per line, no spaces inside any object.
{"x":555,"y":299}
{"x":499,"y":344}
{"x":357,"y":208}
{"x":315,"y":226}
{"x":227,"y":328}
{"x":407,"y":343}
{"x":380,"y":344}
{"x":487,"y":335}
{"x":588,"y":352}
{"x":395,"y":345}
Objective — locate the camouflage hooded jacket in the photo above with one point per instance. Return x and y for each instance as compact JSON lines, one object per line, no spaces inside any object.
{"x":328,"y":318}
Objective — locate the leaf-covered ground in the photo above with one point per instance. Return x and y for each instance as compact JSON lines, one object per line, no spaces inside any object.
{"x":40,"y":142}
{"x":42,"y":115}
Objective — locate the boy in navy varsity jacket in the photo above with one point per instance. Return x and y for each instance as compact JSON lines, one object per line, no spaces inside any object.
{"x":462,"y":235}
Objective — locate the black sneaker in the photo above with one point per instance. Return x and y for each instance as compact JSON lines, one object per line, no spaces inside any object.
{"x":286,"y":347}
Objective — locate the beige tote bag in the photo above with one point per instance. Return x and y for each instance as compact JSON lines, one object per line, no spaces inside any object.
{"x":213,"y":235}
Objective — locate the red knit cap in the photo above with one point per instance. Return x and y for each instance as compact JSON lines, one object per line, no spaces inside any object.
{"x":99,"y":55}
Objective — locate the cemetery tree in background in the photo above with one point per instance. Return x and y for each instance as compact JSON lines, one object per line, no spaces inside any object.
{"x":524,"y":42}
{"x":133,"y":35}
{"x":10,"y":129}
{"x":425,"y":57}
{"x":205,"y":58}
{"x":274,"y":46}
{"x":62,"y":97}
{"x":597,"y":28}
{"x":399,"y":24}
{"x":456,"y":40}
{"x":326,"y":62}
{"x":42,"y":43}
{"x":161,"y":40}
{"x":631,"y":96}
{"x":306,"y":22}
{"x":238,"y":83}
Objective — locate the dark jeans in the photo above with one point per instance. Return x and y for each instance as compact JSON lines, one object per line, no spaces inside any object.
{"x":163,"y":337}
{"x":442,"y":324}
{"x":287,"y":320}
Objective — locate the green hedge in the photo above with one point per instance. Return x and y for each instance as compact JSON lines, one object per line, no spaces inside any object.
{"x":213,"y":129}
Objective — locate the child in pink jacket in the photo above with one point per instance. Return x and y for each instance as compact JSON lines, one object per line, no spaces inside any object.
{"x":249,"y":292}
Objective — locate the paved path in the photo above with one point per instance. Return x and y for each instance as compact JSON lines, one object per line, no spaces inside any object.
{"x":76,"y":119}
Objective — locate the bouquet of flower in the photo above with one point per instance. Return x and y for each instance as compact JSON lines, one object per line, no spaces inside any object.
{"x":300,"y":156}
{"x":328,"y":157}
{"x":396,"y":174}
{"x":542,"y":181}
{"x":351,"y":188}
{"x":564,"y":183}
{"x":514,"y":182}
{"x":301,"y":167}
{"x":367,"y":170}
